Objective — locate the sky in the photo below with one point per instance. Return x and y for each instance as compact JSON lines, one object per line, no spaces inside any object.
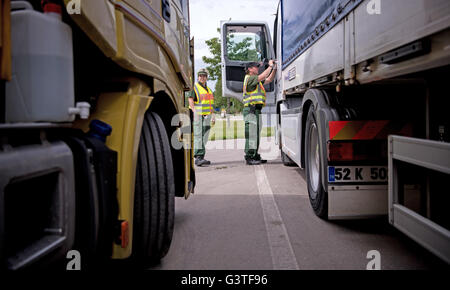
{"x":206,"y":16}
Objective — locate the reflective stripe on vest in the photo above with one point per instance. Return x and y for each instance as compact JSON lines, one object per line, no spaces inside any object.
{"x":256,"y":97}
{"x":205,"y":100}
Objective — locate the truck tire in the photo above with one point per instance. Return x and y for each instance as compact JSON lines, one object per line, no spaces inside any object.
{"x":318,"y":196}
{"x":154,"y":202}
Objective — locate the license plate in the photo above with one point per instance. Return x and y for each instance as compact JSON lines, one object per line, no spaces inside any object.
{"x":341,"y":174}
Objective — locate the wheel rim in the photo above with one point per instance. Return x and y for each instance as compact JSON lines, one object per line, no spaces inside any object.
{"x":314,"y":160}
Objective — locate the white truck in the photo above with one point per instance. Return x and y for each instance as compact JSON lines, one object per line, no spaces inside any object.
{"x":361,"y":101}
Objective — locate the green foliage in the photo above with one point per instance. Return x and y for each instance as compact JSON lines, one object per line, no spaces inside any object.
{"x":236,"y":106}
{"x":219,"y":101}
{"x":214,"y":62}
{"x":240,"y":50}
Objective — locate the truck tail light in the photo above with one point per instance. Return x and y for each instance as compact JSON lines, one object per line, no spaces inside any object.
{"x":341,"y":151}
{"x":363,"y":140}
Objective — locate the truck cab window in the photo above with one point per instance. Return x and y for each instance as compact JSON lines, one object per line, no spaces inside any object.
{"x":241,"y":44}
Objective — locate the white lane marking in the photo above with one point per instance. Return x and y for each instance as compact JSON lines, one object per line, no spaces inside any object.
{"x":283,"y":257}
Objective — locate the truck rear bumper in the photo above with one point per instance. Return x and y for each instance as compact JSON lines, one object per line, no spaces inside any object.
{"x":357,"y":201}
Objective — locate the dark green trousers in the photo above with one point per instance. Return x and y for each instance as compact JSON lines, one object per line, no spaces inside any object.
{"x":202,"y":127}
{"x":252,"y":120}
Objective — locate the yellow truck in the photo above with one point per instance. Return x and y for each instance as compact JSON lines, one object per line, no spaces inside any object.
{"x":94,"y":130}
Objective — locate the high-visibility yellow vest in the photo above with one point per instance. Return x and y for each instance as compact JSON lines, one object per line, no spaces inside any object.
{"x":257,"y":97}
{"x":205,"y":100}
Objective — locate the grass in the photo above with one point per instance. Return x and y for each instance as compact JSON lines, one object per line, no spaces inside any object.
{"x":236,"y":130}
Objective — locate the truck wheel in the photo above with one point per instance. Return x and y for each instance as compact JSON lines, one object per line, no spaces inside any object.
{"x":154,"y":202}
{"x":317,"y":194}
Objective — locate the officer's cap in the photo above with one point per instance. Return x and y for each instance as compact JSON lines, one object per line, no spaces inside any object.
{"x":202,"y":71}
{"x":251,"y":64}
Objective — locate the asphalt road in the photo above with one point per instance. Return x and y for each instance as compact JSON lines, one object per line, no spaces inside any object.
{"x":259,"y":218}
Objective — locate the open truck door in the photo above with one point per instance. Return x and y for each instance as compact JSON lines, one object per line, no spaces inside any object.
{"x":244,"y":42}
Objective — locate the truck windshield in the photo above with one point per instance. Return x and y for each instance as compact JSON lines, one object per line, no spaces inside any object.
{"x":245,"y":43}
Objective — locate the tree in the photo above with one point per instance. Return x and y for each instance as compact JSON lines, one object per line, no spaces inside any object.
{"x":219,"y":101}
{"x":213,"y":63}
{"x":240,"y":51}
{"x":215,"y":70}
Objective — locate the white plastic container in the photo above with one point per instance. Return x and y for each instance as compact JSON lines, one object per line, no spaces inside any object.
{"x":42,"y":86}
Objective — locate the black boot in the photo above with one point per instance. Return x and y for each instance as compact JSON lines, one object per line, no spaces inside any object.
{"x":253,"y":162}
{"x":199,"y":161}
{"x":258,"y":157}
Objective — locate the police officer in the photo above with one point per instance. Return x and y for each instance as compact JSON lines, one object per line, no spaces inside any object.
{"x":254,"y":101}
{"x":201,"y":102}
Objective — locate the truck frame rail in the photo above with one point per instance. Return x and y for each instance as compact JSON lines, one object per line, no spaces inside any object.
{"x":431,"y":155}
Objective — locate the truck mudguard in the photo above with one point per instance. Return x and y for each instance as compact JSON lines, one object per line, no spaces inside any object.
{"x":325,"y":113}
